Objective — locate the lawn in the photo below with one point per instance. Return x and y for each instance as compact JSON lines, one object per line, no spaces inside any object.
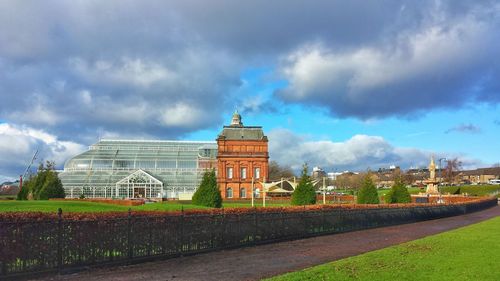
{"x":468,"y":253}
{"x":79,"y":206}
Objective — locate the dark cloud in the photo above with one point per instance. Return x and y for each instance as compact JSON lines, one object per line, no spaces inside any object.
{"x":445,"y":61}
{"x":464,"y":128}
{"x":162,"y":69}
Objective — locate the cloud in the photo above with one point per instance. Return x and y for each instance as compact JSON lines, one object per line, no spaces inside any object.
{"x":164,"y":69}
{"x":19,"y":143}
{"x":464,"y":128}
{"x":440,"y":64}
{"x":357,"y":153}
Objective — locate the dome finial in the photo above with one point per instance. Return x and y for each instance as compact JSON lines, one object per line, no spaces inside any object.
{"x":236,"y":120}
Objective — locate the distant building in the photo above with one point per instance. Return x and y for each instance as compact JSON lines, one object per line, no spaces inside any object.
{"x":479,"y":176}
{"x":318,"y":173}
{"x":9,"y":188}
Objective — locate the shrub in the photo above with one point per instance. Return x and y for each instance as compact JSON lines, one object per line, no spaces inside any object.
{"x":208,"y":193}
{"x":398,"y":194}
{"x":304,"y":193}
{"x":368,"y":193}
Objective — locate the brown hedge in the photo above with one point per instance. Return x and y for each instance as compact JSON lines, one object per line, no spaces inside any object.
{"x":90,"y":216}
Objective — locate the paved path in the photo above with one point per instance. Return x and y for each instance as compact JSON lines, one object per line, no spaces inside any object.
{"x":254,"y":263}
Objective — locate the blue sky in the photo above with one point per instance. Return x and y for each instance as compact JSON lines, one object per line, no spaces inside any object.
{"x":341,"y":85}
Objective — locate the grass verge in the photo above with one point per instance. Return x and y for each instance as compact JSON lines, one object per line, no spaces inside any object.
{"x":468,"y":253}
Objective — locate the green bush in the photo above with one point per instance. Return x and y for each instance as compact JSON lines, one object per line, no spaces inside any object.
{"x":398,"y":194}
{"x":368,"y":193}
{"x":208,"y":193}
{"x":304,"y":193}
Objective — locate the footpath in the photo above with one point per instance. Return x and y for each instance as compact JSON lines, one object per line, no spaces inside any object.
{"x":255,"y":263}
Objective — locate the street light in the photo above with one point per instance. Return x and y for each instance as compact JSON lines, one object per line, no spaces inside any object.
{"x":440,"y":168}
{"x":440,"y":178}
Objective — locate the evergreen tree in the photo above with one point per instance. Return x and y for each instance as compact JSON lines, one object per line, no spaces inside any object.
{"x":52,"y":187}
{"x":368,"y":192}
{"x":45,"y":184}
{"x":398,"y":194}
{"x":208,"y":193}
{"x":304,"y":193}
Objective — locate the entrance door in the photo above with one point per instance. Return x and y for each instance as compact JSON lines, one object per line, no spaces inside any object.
{"x":139,"y":192}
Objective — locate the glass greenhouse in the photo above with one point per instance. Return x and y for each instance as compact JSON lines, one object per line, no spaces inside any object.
{"x":139,"y":169}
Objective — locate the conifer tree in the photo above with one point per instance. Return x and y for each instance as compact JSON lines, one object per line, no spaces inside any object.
{"x":368,"y":192}
{"x":304,"y":193}
{"x":45,"y":184}
{"x":398,"y":194}
{"x":208,"y":193}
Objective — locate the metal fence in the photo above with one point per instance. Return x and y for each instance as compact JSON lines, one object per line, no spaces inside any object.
{"x":49,"y":246}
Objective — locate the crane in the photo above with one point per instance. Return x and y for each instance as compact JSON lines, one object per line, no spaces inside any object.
{"x":21,"y":177}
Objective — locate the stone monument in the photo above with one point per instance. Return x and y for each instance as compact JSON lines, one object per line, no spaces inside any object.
{"x":432,"y":187}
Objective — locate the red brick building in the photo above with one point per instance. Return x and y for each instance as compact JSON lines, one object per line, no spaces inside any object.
{"x":242,"y":155}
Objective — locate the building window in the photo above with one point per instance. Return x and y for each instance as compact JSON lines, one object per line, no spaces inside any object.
{"x":243,"y":173}
{"x":229,"y":193}
{"x":243,"y":193}
{"x":256,"y":173}
{"x":229,"y":173}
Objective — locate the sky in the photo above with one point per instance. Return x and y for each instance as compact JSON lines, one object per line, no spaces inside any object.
{"x":345,"y":85}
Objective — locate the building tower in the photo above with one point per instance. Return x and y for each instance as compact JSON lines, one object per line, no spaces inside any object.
{"x":242,"y":155}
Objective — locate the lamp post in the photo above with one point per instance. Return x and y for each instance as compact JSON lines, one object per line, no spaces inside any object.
{"x":253,"y":192}
{"x":440,"y":178}
{"x":324,"y":191}
{"x":440,"y":168}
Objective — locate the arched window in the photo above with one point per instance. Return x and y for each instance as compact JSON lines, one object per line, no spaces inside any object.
{"x":229,"y":193}
{"x":243,"y":192}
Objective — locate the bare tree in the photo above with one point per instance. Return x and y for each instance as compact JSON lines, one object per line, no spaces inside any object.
{"x":451,"y":170}
{"x":276,"y":172}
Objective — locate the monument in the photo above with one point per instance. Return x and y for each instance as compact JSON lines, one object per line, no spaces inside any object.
{"x":432,"y":187}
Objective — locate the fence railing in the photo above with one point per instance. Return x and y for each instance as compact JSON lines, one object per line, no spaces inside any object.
{"x":50,"y":245}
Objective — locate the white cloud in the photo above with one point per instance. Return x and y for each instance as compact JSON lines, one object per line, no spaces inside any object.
{"x":182,"y":115}
{"x":357,"y":153}
{"x":18,"y":143}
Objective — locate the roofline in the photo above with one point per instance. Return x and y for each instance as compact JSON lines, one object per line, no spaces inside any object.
{"x":159,"y":141}
{"x":244,"y":127}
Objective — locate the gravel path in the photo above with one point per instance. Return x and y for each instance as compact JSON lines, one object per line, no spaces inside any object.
{"x":254,"y":263}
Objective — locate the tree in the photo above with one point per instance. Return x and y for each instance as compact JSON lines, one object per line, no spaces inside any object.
{"x":208,"y":193}
{"x":276,"y":172}
{"x":51,"y":188}
{"x":304,"y":193}
{"x":45,"y":184}
{"x":398,"y":193}
{"x":452,"y":167}
{"x":368,"y":193}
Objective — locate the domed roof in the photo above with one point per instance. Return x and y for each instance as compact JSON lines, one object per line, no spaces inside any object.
{"x":236,"y":120}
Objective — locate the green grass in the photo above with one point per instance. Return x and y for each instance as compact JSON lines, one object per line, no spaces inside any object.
{"x":468,"y":253}
{"x":79,"y":206}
